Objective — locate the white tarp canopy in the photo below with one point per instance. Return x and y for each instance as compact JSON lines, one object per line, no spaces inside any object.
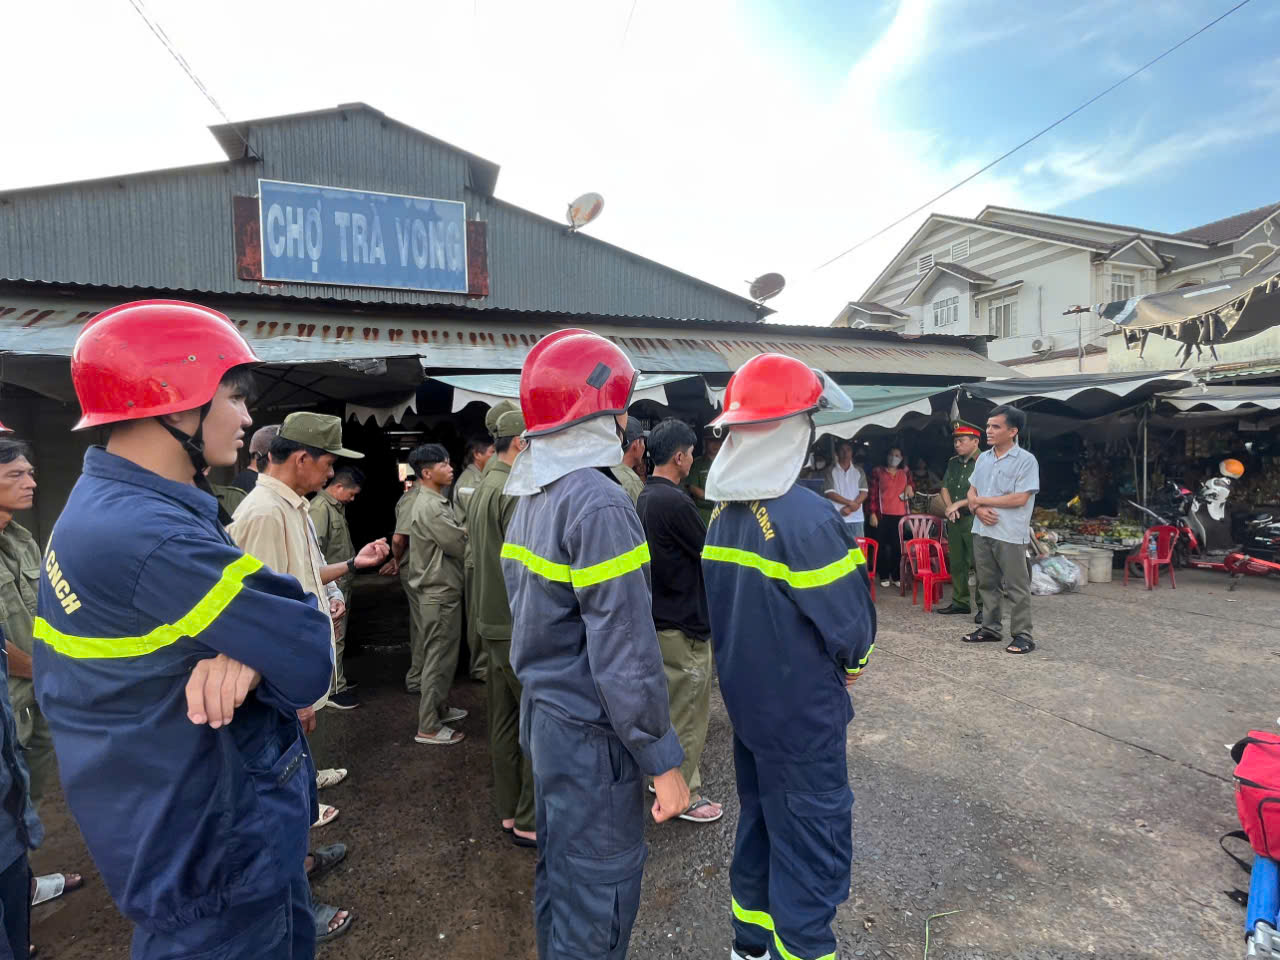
{"x":1223,"y":398}
{"x":489,"y":388}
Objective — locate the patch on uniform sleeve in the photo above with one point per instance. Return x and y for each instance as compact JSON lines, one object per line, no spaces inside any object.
{"x":58,"y":583}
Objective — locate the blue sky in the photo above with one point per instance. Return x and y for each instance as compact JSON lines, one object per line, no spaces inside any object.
{"x":729,"y":137}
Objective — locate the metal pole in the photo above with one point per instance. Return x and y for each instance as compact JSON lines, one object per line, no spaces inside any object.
{"x":1146,"y":415}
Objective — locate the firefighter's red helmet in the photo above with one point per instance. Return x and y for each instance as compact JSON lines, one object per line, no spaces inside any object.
{"x":570,"y":376}
{"x":773,"y":386}
{"x":152,"y":357}
{"x":4,"y":429}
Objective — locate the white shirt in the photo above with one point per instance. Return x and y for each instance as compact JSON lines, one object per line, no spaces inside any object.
{"x":849,"y":484}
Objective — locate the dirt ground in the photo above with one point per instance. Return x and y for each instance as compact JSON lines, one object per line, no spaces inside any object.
{"x":1067,"y":804}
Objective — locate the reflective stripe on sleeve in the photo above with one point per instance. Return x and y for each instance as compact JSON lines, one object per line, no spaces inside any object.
{"x":800,"y":579}
{"x":861,"y":663}
{"x":618,"y":566}
{"x":196,"y":620}
{"x":760,"y":918}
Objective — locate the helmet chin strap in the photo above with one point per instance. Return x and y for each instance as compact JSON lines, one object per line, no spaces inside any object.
{"x":193,"y":445}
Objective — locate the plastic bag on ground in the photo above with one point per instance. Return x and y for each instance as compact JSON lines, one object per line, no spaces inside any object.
{"x":1064,"y":572}
{"x":1042,"y":584}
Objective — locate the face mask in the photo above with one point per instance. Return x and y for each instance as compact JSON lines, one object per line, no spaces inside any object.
{"x":895,"y":461}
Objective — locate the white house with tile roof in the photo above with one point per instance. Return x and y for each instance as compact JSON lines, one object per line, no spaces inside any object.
{"x":1011,"y":274}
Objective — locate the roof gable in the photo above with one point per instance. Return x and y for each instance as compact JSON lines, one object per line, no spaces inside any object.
{"x":990,"y":212}
{"x":1233,"y":227}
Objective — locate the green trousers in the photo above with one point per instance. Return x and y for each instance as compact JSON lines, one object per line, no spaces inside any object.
{"x":512,"y":771}
{"x":1000,"y":563}
{"x":34,"y":736}
{"x":441,"y":622}
{"x":412,"y":679}
{"x":479,"y":664}
{"x":340,"y":643}
{"x":960,"y":562}
{"x":688,"y":665}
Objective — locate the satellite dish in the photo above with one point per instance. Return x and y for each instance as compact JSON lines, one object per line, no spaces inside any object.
{"x":767,"y":286}
{"x":583,"y":210}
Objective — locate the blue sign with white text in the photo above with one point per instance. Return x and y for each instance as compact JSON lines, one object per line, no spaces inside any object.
{"x":357,"y":238}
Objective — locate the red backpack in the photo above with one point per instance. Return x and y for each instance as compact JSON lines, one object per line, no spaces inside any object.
{"x":1257,"y":777}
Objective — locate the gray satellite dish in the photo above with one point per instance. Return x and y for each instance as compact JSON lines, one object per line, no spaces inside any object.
{"x":767,"y":286}
{"x":583,"y":210}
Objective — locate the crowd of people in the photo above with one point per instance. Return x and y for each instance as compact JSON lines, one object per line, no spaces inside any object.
{"x":604,"y":573}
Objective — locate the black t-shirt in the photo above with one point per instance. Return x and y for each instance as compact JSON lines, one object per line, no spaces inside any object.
{"x":245,"y":479}
{"x":676,"y":534}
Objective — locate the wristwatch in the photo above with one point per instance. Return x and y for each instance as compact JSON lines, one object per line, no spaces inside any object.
{"x":351,"y":565}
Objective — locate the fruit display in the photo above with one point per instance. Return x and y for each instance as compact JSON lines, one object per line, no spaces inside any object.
{"x":1094,"y":529}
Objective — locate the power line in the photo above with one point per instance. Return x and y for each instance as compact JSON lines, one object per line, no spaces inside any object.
{"x":627,"y":29}
{"x":168,"y":44}
{"x":1063,"y":119}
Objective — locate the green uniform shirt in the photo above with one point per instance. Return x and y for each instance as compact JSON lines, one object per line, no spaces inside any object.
{"x":437,"y":544}
{"x":404,"y":509}
{"x":630,"y":481}
{"x":332,"y":533}
{"x":464,"y":488}
{"x":698,"y":478}
{"x":229,"y":497}
{"x":487,"y":519}
{"x":956,"y":482}
{"x":19,"y":583}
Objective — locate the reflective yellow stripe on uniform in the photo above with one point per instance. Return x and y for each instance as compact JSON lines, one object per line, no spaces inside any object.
{"x":761,"y":919}
{"x":618,"y":566}
{"x":861,"y":663}
{"x":800,"y":579}
{"x":197,"y":619}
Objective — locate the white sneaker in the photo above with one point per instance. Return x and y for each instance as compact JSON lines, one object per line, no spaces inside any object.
{"x":735,"y":955}
{"x":884,"y":583}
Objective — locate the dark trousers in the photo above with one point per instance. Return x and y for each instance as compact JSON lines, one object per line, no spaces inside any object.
{"x":512,"y":771}
{"x":792,"y":854}
{"x":15,"y":902}
{"x":589,"y":801}
{"x":279,"y":928}
{"x":889,"y":562}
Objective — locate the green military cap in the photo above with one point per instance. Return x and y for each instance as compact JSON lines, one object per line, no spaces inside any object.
{"x":962,"y":428}
{"x":317,"y":430}
{"x":495,"y":412}
{"x":510,"y":424}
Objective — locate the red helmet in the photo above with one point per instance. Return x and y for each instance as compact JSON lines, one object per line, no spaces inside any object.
{"x":4,"y":429}
{"x":773,"y":387}
{"x":570,"y":376}
{"x":152,"y":357}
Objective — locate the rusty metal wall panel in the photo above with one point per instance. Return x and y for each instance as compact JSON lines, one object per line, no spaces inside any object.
{"x":175,"y":230}
{"x":477,"y":259}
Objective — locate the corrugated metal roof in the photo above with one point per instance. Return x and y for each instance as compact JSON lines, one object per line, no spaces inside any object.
{"x":173,"y":229}
{"x":49,"y":325}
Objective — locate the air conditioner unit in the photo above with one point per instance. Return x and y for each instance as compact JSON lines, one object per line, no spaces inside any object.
{"x":1042,"y":345}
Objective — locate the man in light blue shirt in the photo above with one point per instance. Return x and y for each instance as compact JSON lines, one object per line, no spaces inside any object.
{"x":1002,"y":495}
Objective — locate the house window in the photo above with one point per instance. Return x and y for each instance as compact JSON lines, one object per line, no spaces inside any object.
{"x":960,"y":249}
{"x":946,"y":311}
{"x":1003,"y":314}
{"x":924,"y":264}
{"x":1124,"y":286}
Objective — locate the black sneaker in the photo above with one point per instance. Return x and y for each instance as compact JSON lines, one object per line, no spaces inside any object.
{"x":741,"y":953}
{"x":346,"y":700}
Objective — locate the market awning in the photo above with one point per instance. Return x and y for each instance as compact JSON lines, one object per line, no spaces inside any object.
{"x":1088,"y":394}
{"x":1223,"y":398}
{"x":488,"y":388}
{"x":877,"y":407}
{"x":1203,"y":315}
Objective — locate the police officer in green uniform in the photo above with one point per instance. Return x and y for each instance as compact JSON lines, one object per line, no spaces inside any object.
{"x":477,"y":456}
{"x":696,"y":482}
{"x":488,"y":515}
{"x":955,"y":488}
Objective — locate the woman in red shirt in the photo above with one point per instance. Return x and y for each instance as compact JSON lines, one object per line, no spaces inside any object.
{"x":890,"y":488}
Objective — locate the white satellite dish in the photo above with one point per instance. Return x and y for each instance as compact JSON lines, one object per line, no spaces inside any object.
{"x":583,"y":210}
{"x":767,"y":286}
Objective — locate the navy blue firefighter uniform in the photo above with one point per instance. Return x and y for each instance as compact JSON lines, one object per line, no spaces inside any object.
{"x":594,"y":715}
{"x":200,"y":834}
{"x":791,"y":618}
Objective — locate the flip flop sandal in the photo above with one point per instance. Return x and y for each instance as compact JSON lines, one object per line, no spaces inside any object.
{"x":330,"y":777}
{"x":326,"y":858}
{"x":453,"y":715}
{"x":981,"y":636}
{"x":698,"y":805}
{"x":328,"y":814}
{"x":53,"y":885}
{"x":1020,"y":644}
{"x":520,"y":841}
{"x":324,"y":914}
{"x":445,"y":737}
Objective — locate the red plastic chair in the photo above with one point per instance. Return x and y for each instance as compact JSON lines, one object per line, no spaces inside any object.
{"x":928,"y":569}
{"x":919,"y":526}
{"x":871,"y":550}
{"x":1165,"y":538}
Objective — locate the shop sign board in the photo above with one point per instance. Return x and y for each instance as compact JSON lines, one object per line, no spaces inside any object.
{"x":360,"y":238}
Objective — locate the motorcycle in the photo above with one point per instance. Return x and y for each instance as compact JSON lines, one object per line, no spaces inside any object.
{"x":1259,"y":551}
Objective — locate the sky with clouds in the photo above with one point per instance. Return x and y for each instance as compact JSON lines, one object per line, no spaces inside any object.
{"x":728,"y":138}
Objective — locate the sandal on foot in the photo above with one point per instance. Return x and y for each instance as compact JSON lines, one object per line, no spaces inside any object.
{"x":324,"y":914}
{"x":530,"y":843}
{"x":701,"y":804}
{"x":445,"y":736}
{"x":330,"y":777}
{"x":325,"y":859}
{"x":328,"y":814}
{"x":453,"y":715}
{"x":1020,"y":644}
{"x":53,"y":885}
{"x":981,"y":636}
